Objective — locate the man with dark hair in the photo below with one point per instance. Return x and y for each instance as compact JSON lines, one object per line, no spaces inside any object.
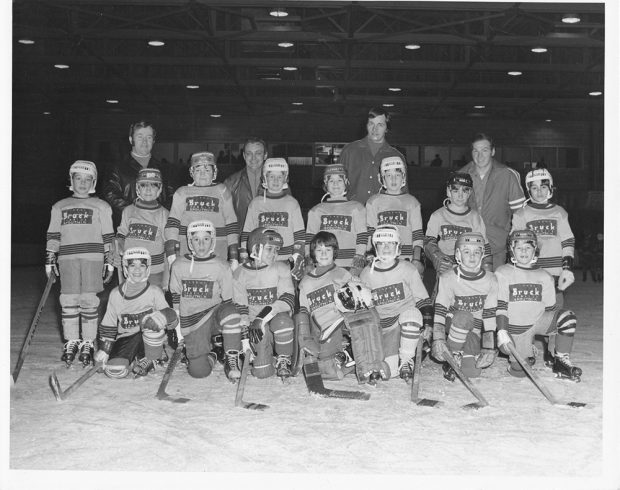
{"x":120,"y":189}
{"x":362,"y":158}
{"x":245,"y":184}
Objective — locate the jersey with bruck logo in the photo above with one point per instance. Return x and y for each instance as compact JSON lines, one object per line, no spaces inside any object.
{"x":523,"y":296}
{"x":124,"y":314}
{"x":395,"y":289}
{"x":80,"y":228}
{"x":257,"y":287}
{"x":143,"y":226}
{"x":197,"y":286}
{"x":316,"y":294}
{"x":475,"y":294}
{"x":445,"y":226}
{"x":402,"y":211}
{"x":214,"y":203}
{"x":347,"y":221}
{"x":555,"y":237}
{"x":280,"y":213}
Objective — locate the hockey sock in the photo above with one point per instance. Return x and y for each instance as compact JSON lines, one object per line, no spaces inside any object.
{"x":153,"y":343}
{"x":409,"y":338}
{"x":283,"y":329}
{"x":567,"y":323}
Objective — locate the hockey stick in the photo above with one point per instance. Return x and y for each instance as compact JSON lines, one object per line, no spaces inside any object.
{"x":415,"y":385}
{"x":537,"y":381}
{"x":467,"y":382}
{"x":33,"y":326}
{"x":63,"y":395}
{"x":314,"y":382}
{"x":245,"y":371}
{"x":161,"y":392}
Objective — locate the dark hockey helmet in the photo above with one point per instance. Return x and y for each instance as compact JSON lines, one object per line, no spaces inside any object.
{"x":148,"y":175}
{"x":259,"y":237}
{"x":468,"y":238}
{"x":527,"y":236}
{"x":460,"y":178}
{"x":203,"y":158}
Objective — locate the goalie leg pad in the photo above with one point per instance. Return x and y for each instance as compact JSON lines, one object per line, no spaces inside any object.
{"x":117,"y":368}
{"x":262,"y":366}
{"x":124,"y":351}
{"x":366,"y":340}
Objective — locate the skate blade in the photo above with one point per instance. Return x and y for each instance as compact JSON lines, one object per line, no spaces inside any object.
{"x":426,"y":402}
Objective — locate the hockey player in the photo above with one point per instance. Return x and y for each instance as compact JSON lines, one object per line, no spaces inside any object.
{"x":201,"y":288}
{"x":465,"y":310}
{"x":133,"y":329}
{"x":400,"y":299}
{"x":394,"y":206}
{"x":344,"y":218}
{"x":449,"y":221}
{"x":319,"y":320}
{"x":278,"y":211}
{"x":203,"y":200}
{"x":264,"y":294}
{"x":526,"y":307}
{"x":143,"y":223}
{"x":549,"y":222}
{"x":78,"y":246}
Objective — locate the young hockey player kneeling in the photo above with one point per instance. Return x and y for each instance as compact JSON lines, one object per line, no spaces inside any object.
{"x":319,"y":320}
{"x":201,"y":288}
{"x":264,"y":294}
{"x":400,"y":299}
{"x":465,"y":307}
{"x":135,"y":322}
{"x":526,"y":307}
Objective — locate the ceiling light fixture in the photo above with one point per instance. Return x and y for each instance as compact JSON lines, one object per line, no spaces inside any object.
{"x":388,"y":105}
{"x":278,"y":13}
{"x":596,"y":93}
{"x":112,"y":101}
{"x":412,"y":46}
{"x":215,"y":115}
{"x":25,"y":41}
{"x":297,"y":103}
{"x":547,"y":120}
{"x":61,"y":67}
{"x":394,"y":89}
{"x":539,"y":49}
{"x":515,"y":73}
{"x":289,"y":68}
{"x":193,"y":87}
{"x":571,"y":18}
{"x":47,"y":113}
{"x":479,"y":107}
{"x":156,"y":43}
{"x":286,"y":45}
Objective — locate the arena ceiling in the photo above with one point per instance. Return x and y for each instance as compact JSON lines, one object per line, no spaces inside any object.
{"x":345,"y":55}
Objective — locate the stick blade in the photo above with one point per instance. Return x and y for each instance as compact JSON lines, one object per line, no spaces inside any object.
{"x":349,"y":395}
{"x":166,"y":397}
{"x":427,"y":402}
{"x":474,"y":406}
{"x":55,"y":385}
{"x":576,"y":404}
{"x":253,"y":406}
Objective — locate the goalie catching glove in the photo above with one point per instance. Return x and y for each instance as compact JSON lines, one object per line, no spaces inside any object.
{"x":159,"y":320}
{"x":352,"y":297}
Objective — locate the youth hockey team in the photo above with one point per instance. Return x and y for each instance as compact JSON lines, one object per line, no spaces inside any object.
{"x":345,"y":290}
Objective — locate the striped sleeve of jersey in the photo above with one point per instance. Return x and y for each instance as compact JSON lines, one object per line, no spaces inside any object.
{"x":490,"y":305}
{"x":230,"y":218}
{"x":173,"y":225}
{"x":313,"y":226}
{"x":108,"y":327}
{"x":515,"y":192}
{"x":286,"y":289}
{"x":53,"y":231}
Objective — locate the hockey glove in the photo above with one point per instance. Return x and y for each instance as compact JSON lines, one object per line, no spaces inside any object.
{"x":245,"y":341}
{"x":307,"y":341}
{"x":108,"y":268}
{"x":359,"y":262}
{"x":438,"y":349}
{"x":173,"y":339}
{"x":297,"y":266}
{"x":257,"y":328}
{"x":566,"y":279}
{"x":427,"y":323}
{"x":503,"y":339}
{"x":486,"y":358}
{"x":103,"y":353}
{"x":244,"y":258}
{"x":234,"y":263}
{"x":51,"y":263}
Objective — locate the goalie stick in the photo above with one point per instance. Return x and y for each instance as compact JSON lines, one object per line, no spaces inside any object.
{"x":468,"y":384}
{"x":33,"y":326}
{"x":537,"y":381}
{"x":415,"y":385}
{"x":245,"y":371}
{"x":161,"y":392}
{"x":63,"y":395}
{"x":314,"y":382}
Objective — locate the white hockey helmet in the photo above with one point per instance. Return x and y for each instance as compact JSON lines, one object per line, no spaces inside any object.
{"x":275,"y":165}
{"x":468,"y":238}
{"x":393,"y":163}
{"x":527,"y":236}
{"x":541,"y":175}
{"x":198,"y":226}
{"x":353,"y":296}
{"x":83,"y":167}
{"x":152,"y":175}
{"x":136,"y":253}
{"x":385,"y":234}
{"x":203,"y":158}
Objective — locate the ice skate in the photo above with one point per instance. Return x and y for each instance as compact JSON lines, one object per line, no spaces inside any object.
{"x":344,"y":362}
{"x":406,"y":371}
{"x":218,"y":348}
{"x":70,"y":350}
{"x":448,"y":372}
{"x":86,"y":352}
{"x":143,"y":367}
{"x":231,"y":366}
{"x":564,"y":368}
{"x":283,"y":367}
{"x":374,"y":378}
{"x":549,"y":358}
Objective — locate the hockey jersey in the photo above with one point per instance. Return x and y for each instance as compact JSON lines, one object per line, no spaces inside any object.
{"x":214,"y":203}
{"x":80,"y":228}
{"x":197,"y":287}
{"x":347,"y":221}
{"x":402,"y":211}
{"x":280,"y":213}
{"x":395,"y":289}
{"x":142,"y":225}
{"x":254,"y":288}
{"x":523,"y":296}
{"x":124,"y":314}
{"x":476,"y":294}
{"x":555,"y":237}
{"x":316,"y":294}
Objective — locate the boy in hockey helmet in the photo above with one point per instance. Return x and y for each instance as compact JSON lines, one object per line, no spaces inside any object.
{"x":204,"y":199}
{"x":135,"y":322}
{"x":527,"y":307}
{"x":465,"y":310}
{"x":549,"y":222}
{"x":264,"y":294}
{"x":452,"y":219}
{"x":278,"y":211}
{"x":78,"y":248}
{"x":400,"y":299}
{"x":143,"y":223}
{"x":344,"y":218}
{"x":393,"y":205}
{"x":201,"y":288}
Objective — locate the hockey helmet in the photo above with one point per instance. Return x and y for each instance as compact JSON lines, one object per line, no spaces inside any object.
{"x":259,"y":237}
{"x":541,"y":175}
{"x":393,"y":163}
{"x":83,"y":167}
{"x":386,"y":234}
{"x":527,"y":236}
{"x":136,"y":253}
{"x":336,"y":169}
{"x":468,"y":238}
{"x":203,"y":158}
{"x":198,"y":226}
{"x":275,"y":165}
{"x":149,"y":175}
{"x":353,"y":296}
{"x":460,"y":178}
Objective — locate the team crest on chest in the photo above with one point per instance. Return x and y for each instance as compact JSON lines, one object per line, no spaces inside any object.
{"x":142,"y":231}
{"x":335,"y":222}
{"x":196,"y":288}
{"x":543,"y":227}
{"x":132,"y":320}
{"x":391,"y":293}
{"x":525,"y":292}
{"x":273,"y":218}
{"x":202,"y":203}
{"x":398,"y":218}
{"x":262,"y":296}
{"x":452,"y":232}
{"x":321,"y":297}
{"x":469,"y":303}
{"x":77,"y":216}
